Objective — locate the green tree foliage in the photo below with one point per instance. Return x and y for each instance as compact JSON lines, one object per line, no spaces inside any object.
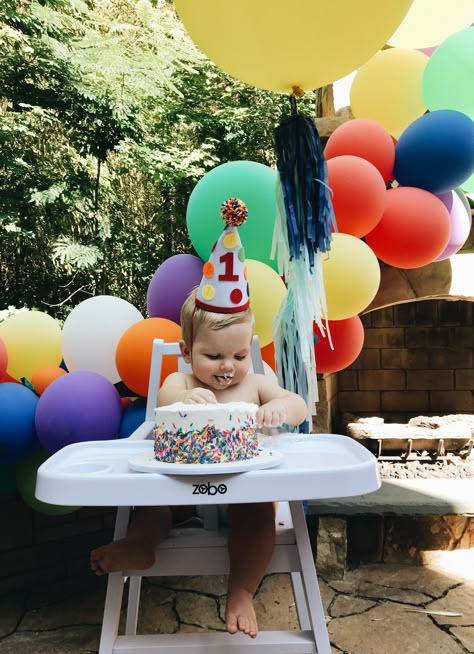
{"x":108,"y":118}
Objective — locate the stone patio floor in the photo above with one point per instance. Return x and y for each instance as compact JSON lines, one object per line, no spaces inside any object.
{"x":375,"y":608}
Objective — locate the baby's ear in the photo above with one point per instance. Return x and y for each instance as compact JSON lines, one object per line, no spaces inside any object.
{"x":185,"y":352}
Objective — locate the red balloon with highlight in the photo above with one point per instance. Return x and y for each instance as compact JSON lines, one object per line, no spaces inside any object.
{"x":347,"y":338}
{"x":414,"y":229}
{"x":358,"y":194}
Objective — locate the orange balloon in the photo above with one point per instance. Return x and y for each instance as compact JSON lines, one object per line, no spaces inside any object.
{"x":42,"y":377}
{"x":268,"y":354}
{"x":133,"y":353}
{"x":358,"y":194}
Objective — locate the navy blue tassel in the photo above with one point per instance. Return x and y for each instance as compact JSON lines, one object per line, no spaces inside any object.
{"x":303,"y":175}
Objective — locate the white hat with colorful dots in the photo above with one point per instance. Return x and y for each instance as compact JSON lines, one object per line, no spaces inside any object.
{"x":224,"y":287}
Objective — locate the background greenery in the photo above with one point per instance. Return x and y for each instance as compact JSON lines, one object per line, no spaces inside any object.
{"x":108,"y":118}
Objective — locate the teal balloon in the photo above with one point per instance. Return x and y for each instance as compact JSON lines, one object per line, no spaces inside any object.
{"x":251,"y":182}
{"x":448,"y":79}
{"x":7,"y":478}
{"x":468,"y":185}
{"x":26,"y":471}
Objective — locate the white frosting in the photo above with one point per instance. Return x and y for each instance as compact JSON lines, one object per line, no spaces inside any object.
{"x":198,"y":416}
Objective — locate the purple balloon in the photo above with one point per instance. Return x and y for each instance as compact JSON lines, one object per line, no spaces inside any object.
{"x":171,"y":284}
{"x":460,"y":215}
{"x":79,"y":406}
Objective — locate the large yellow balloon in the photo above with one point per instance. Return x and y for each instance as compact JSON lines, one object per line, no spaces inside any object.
{"x":387,"y":89}
{"x":351,"y":273}
{"x":277,"y":45}
{"x":267,"y":292}
{"x":33,"y":340}
{"x":429,"y":22}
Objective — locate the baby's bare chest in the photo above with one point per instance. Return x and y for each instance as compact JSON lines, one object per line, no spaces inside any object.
{"x":245,"y":391}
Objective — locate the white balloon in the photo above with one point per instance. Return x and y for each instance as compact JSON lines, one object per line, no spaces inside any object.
{"x":92,"y":331}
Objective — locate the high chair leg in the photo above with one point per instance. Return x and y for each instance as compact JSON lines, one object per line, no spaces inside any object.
{"x":310,"y":580}
{"x":113,"y":604}
{"x":135,"y":584}
{"x":300,"y":601}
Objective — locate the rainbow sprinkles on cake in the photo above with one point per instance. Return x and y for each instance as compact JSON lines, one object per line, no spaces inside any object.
{"x":205,"y":433}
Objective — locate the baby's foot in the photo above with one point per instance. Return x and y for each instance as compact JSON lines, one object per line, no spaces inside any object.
{"x":240,"y":613}
{"x":122,"y":554}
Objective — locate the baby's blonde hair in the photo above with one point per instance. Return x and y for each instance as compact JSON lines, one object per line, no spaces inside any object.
{"x":191,"y":314}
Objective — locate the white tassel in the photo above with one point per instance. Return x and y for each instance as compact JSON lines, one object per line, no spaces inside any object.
{"x":304,"y":304}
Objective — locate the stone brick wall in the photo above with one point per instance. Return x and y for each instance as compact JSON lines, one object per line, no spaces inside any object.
{"x":37,"y":549}
{"x":417,"y":359}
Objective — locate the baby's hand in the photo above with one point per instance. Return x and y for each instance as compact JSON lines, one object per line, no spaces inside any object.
{"x":199,"y":396}
{"x":271,"y":414}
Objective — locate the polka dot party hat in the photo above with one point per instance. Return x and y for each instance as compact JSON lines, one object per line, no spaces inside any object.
{"x":224,"y":287}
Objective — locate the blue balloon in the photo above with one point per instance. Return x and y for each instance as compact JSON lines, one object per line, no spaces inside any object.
{"x":436,"y":152}
{"x":17,"y":422}
{"x":79,"y":406}
{"x":132,"y":417}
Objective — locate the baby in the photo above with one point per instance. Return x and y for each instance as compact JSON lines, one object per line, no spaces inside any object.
{"x":217,"y":346}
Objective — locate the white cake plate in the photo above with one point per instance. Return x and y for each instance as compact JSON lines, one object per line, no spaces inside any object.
{"x":145,"y":462}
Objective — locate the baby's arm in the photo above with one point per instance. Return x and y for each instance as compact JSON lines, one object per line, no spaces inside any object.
{"x":277,"y":405}
{"x":176,"y":388}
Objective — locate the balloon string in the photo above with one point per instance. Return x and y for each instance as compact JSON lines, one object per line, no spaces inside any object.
{"x":293,"y":105}
{"x":297,"y":92}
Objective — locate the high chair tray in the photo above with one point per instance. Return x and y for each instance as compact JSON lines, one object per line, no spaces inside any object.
{"x":313,"y":466}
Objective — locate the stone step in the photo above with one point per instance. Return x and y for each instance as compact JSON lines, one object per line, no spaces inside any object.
{"x":404,"y":496}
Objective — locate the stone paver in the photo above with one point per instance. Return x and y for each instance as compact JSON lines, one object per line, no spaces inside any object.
{"x":459,"y":600}
{"x":367,"y":611}
{"x":465,"y":636}
{"x":388,"y":628}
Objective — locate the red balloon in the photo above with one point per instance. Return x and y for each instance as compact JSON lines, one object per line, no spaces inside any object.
{"x":358,"y":194}
{"x":347,"y":337}
{"x":3,"y":358}
{"x":125,"y":402}
{"x":268,"y":354}
{"x":414,"y":229}
{"x":8,"y":378}
{"x":364,"y":138}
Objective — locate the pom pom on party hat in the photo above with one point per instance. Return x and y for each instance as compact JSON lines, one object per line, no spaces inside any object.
{"x":224,"y":288}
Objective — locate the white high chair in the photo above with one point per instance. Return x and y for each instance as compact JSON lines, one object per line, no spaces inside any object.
{"x":203,"y":551}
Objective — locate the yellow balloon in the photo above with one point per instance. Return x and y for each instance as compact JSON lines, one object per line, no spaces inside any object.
{"x":351,"y":274}
{"x":267,"y":292}
{"x":33,"y":340}
{"x":387,"y":88}
{"x":275,"y":45}
{"x":428,"y":23}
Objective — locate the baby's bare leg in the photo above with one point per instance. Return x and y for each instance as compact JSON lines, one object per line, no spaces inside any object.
{"x":149,"y":526}
{"x":251,"y":542}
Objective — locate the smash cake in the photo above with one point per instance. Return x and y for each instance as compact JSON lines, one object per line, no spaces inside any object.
{"x":205,"y":433}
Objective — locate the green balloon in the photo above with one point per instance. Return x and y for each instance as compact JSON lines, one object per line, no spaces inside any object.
{"x":251,"y":182}
{"x":448,"y":77}
{"x":26,"y":470}
{"x":7,"y":478}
